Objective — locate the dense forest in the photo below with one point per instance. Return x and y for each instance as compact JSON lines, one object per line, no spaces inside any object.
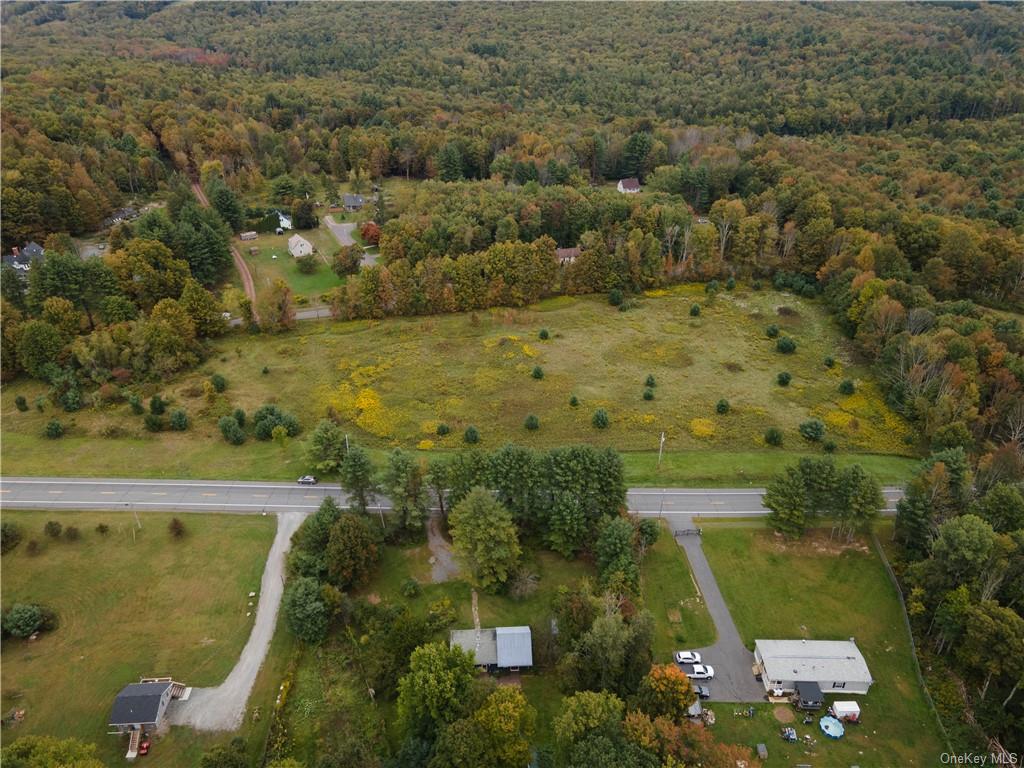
{"x":870,"y":155}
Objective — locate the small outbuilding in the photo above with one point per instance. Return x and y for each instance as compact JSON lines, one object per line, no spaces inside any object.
{"x":248,"y":236}
{"x":834,"y":666}
{"x":299,"y":246}
{"x":567,"y":256}
{"x":629,"y":186}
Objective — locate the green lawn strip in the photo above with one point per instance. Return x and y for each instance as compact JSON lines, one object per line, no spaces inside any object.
{"x":152,"y":606}
{"x":820,"y":590}
{"x":669,"y":593}
{"x":390,"y":383}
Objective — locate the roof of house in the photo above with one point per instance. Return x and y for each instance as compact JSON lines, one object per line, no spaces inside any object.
{"x":296,"y":241}
{"x":515,"y":647}
{"x":284,"y":221}
{"x":836,"y":660}
{"x":630,"y":184}
{"x":32,"y":250}
{"x":138,"y":703}
{"x":354,"y":199}
{"x":482,"y":644}
{"x":567,"y":253}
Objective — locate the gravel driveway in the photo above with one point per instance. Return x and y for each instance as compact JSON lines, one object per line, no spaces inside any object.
{"x":734,"y":681}
{"x":343,"y":234}
{"x":222,"y":708}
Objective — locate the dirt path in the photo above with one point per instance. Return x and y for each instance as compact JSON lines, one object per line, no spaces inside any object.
{"x":243,"y":269}
{"x":444,"y":566}
{"x":223,"y":707}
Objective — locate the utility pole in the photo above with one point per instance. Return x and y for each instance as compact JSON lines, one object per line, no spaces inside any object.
{"x":661,"y":448}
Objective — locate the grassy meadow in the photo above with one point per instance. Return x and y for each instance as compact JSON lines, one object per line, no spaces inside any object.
{"x":390,"y":383}
{"x":130,"y":608}
{"x":821,"y":590}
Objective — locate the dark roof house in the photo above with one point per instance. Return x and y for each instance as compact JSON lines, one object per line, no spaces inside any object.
{"x":22,"y":258}
{"x":140,"y":704}
{"x":567,"y":255}
{"x":354,"y":202}
{"x":629,"y":186}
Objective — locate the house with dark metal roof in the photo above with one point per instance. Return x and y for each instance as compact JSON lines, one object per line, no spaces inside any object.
{"x":353,"y":202}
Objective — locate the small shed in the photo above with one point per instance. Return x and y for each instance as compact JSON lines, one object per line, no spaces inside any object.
{"x":567,"y":256}
{"x":248,"y":236}
{"x":629,"y":186}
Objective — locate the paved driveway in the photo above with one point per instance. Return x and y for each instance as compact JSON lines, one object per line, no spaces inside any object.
{"x":734,"y":680}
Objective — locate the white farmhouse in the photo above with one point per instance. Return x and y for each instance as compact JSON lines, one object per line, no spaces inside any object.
{"x":299,"y":246}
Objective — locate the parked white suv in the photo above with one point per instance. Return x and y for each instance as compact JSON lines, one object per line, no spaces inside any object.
{"x":701,"y":672}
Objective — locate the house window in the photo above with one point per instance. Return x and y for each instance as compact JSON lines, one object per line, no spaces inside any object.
{"x":838,"y":685}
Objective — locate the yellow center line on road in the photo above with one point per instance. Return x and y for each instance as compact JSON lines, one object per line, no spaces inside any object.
{"x":157,"y":493}
{"x":260,"y":495}
{"x":107,"y":493}
{"x":55,"y":491}
{"x":211,"y":494}
{"x":311,"y":497}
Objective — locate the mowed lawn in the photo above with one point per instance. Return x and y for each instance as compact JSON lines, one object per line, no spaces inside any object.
{"x":127,"y":609}
{"x":670,"y":594}
{"x":818,"y":590}
{"x":266,"y":269}
{"x":390,"y":383}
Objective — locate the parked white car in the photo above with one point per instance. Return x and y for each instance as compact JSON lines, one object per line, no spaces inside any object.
{"x":701,"y":672}
{"x":687,"y":657}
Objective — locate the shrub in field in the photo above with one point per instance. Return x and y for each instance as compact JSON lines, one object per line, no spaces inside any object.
{"x":32,"y":548}
{"x":102,"y":529}
{"x":153,"y":423}
{"x":615,"y":297}
{"x":10,"y":536}
{"x":265,"y":370}
{"x":53,"y":529}
{"x":71,"y":533}
{"x":538,"y":372}
{"x":722,"y":406}
{"x":443,"y":429}
{"x":410,"y":588}
{"x":773,"y":436}
{"x":176,"y":528}
{"x":786,"y":345}
{"x":267,"y":417}
{"x":471,"y":435}
{"x":829,"y":362}
{"x":649,"y":381}
{"x":178,"y":420}
{"x":847,"y":387}
{"x":648,"y":394}
{"x":784,"y":378}
{"x":136,"y":404}
{"x":21,"y":403}
{"x":306,"y":264}
{"x":574,"y":401}
{"x":544,"y":335}
{"x":711,"y":287}
{"x":829,"y":446}
{"x":219,"y":382}
{"x":813,"y":430}
{"x":23,"y":619}
{"x":239,"y":416}
{"x":157,"y":405}
{"x":600,"y":419}
{"x":532,"y":423}
{"x":756,"y":285}
{"x":230,"y":430}
{"x":695,"y":310}
{"x":730,"y":284}
{"x":772,"y":331}
{"x":54,"y":429}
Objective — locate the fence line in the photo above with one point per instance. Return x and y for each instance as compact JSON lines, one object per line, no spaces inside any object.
{"x":910,"y":633}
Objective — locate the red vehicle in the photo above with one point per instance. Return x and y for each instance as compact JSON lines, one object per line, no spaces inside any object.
{"x":144,"y":747}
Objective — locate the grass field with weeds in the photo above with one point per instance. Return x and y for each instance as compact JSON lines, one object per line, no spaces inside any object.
{"x":133,"y":607}
{"x":824,"y":590}
{"x":391,"y":383}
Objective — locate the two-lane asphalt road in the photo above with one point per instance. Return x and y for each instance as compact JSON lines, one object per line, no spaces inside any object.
{"x":255,"y":497}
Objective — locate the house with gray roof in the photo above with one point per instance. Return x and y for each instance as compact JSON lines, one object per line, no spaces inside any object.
{"x":835,"y":666}
{"x":353,"y":202}
{"x":508,"y":648}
